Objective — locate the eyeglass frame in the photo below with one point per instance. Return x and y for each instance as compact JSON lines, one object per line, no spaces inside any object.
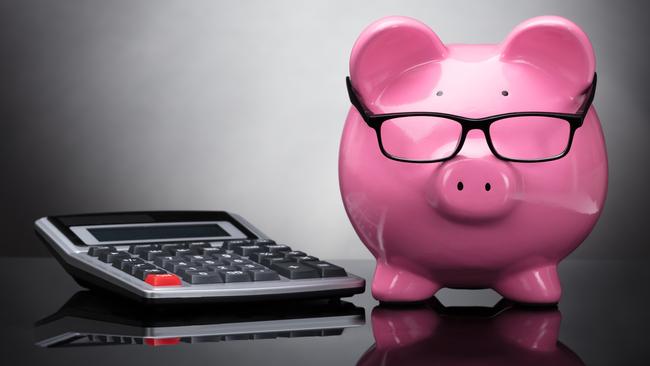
{"x":375,"y":122}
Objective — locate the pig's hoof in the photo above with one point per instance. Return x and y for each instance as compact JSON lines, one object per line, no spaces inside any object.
{"x":537,"y":286}
{"x":393,"y":284}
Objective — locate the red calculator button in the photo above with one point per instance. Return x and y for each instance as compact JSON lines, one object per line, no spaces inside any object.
{"x":161,"y":341}
{"x":163,"y":280}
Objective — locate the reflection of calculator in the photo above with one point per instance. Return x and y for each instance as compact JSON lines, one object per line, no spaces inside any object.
{"x":89,"y":318}
{"x":188,"y":256}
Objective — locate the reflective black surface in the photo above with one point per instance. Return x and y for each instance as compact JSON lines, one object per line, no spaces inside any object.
{"x":602,"y":319}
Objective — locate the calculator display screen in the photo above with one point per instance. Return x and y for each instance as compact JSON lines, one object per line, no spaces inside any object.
{"x":158,"y":232}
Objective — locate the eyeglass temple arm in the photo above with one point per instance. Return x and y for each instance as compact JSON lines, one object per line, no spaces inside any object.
{"x":591,"y":92}
{"x":356,"y":102}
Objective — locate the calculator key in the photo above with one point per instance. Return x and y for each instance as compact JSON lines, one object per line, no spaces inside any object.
{"x":201,"y":277}
{"x":162,"y":260}
{"x":137,"y":268}
{"x":142,"y":249}
{"x":247,"y":250}
{"x":197,"y":245}
{"x":151,"y":254}
{"x":237,"y":261}
{"x":170,"y":246}
{"x":293,"y":254}
{"x":225,"y":257}
{"x":120,"y":262}
{"x":231,"y":244}
{"x":143,"y":273}
{"x":210,"y":251}
{"x":295,"y":270}
{"x":234,"y":276}
{"x":182,"y":270}
{"x":131,"y":267}
{"x":326,"y":269}
{"x":162,"y":279}
{"x":306,"y":258}
{"x":274,"y":248}
{"x":259,"y":257}
{"x":270,"y":260}
{"x":169,"y":265}
{"x":205,"y":263}
{"x":250,"y":266}
{"x":261,"y":242}
{"x":221,"y":267}
{"x":263,"y":274}
{"x":96,"y":251}
{"x":180,"y":251}
{"x":174,"y":265}
{"x":110,"y":256}
{"x":102,"y":255}
{"x":192,"y":257}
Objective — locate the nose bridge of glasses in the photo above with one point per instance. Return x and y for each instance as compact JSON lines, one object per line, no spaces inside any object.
{"x":475,"y":144}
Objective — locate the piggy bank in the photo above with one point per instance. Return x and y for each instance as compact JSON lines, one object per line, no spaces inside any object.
{"x":472,"y":166}
{"x":502,"y":335}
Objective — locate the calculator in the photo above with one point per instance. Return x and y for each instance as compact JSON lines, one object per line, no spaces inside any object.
{"x":90,"y":318}
{"x":188,"y":256}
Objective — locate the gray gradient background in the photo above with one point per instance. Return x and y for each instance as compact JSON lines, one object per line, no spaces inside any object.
{"x":239,"y":105}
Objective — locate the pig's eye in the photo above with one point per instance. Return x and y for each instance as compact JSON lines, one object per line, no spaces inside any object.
{"x":439,"y":93}
{"x":504,"y":93}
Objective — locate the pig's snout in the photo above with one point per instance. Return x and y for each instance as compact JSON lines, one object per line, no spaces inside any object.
{"x":473,"y":189}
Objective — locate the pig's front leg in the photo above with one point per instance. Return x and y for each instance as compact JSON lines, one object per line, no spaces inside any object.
{"x":538,"y":285}
{"x":394,"y":284}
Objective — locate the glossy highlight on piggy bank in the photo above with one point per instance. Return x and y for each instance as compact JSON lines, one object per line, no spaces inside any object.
{"x":472,"y":166}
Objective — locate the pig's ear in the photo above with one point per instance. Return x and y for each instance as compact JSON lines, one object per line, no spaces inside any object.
{"x":555,"y":45}
{"x":387,"y":48}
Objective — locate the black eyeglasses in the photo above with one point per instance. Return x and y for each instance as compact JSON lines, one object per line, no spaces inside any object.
{"x":429,"y":137}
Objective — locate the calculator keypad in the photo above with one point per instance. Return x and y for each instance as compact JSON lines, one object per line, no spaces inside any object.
{"x":199,"y":263}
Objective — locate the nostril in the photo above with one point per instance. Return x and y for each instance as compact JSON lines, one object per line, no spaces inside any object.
{"x":488,"y":186}
{"x":459,"y":186}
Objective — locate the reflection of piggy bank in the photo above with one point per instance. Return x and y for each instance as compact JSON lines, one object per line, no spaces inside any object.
{"x":472,"y":336}
{"x":472,"y":166}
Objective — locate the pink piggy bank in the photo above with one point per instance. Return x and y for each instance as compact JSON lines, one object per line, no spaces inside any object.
{"x":472,"y":166}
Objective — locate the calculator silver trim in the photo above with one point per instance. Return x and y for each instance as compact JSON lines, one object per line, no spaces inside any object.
{"x":88,"y":239}
{"x":76,"y":256}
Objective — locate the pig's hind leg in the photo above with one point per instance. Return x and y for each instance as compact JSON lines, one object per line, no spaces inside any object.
{"x":394,"y":284}
{"x":539,"y":285}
